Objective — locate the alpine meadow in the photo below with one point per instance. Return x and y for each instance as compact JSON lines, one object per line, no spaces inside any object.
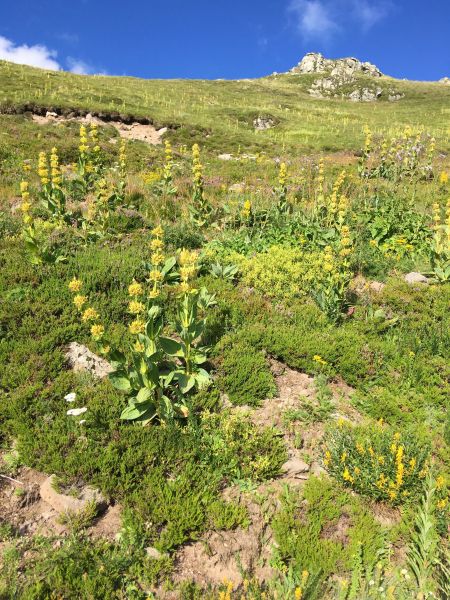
{"x":224,"y":336}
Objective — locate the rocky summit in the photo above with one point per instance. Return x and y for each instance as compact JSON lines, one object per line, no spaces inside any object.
{"x":314,"y":62}
{"x":343,"y":79}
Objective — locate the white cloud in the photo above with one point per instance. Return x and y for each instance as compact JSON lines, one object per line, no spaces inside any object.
{"x":369,"y":13}
{"x":79,"y":66}
{"x":321,"y":19}
{"x":35,"y":56}
{"x":314,"y":18}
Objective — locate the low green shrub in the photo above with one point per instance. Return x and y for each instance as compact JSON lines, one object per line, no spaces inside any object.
{"x":246,"y":376}
{"x":282,"y":272}
{"x":322,"y":532}
{"x":377,"y":461}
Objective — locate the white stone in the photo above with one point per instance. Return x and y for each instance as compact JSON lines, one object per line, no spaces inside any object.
{"x":414,"y":277}
{"x":294,"y":467}
{"x":81,"y":358}
{"x":63,"y":503}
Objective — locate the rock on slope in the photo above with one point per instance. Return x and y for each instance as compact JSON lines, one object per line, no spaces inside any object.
{"x":342,"y":67}
{"x":341,"y":78}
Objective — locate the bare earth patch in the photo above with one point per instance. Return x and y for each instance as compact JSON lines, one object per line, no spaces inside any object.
{"x":23,"y":507}
{"x":132,"y":131}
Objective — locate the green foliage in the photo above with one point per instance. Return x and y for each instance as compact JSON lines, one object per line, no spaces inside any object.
{"x":377,"y":461}
{"x":282,"y":272}
{"x":322,"y":534}
{"x":246,"y":377}
{"x":77,"y":567}
{"x":243,"y":453}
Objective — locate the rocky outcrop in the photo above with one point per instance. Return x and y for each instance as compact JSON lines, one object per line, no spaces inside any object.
{"x":342,"y":67}
{"x":445,"y":80}
{"x":343,"y":79}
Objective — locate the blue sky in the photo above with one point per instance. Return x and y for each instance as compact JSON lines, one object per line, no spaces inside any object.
{"x":216,"y":38}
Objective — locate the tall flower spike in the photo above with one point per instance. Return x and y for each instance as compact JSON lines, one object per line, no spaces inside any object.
{"x":43,"y":168}
{"x":84,"y":143}
{"x":55,"y":168}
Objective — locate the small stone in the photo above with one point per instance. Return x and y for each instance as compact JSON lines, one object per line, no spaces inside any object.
{"x":154,"y":553}
{"x":62,"y":503}
{"x":317,"y":469}
{"x":237,"y":188}
{"x":262,"y":123}
{"x":414,"y":277}
{"x":225,"y":157}
{"x":377,"y":286}
{"x":81,"y":358}
{"x":294,"y":467}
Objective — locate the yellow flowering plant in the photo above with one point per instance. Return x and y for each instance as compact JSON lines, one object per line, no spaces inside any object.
{"x":51,"y":193}
{"x":281,"y":191}
{"x":156,"y":372}
{"x":376,"y":461}
{"x":33,"y":233}
{"x":165,"y":184}
{"x":408,"y":154}
{"x":200,"y":209}
{"x":330,"y":287}
{"x":440,"y":245}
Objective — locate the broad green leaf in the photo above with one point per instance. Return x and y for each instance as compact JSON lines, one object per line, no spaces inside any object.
{"x":144,"y":394}
{"x":185,"y":382}
{"x":120,"y":381}
{"x":170,"y":347}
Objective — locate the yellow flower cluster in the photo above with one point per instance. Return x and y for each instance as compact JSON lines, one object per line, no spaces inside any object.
{"x":122,"y":155}
{"x":197,"y":167}
{"x":168,"y":161}
{"x":368,"y":140}
{"x":298,"y":594}
{"x":328,"y":259}
{"x":320,"y":182}
{"x":136,"y":307}
{"x":43,"y":168}
{"x":55,"y":169}
{"x":25,"y":205}
{"x":282,"y":175}
{"x":441,"y":232}
{"x":346,"y":242}
{"x":188,"y":269}
{"x":93,"y":134}
{"x":157,"y":258}
{"x":333,"y":202}
{"x":84,"y":143}
{"x":246,"y":210}
{"x":89,"y":314}
{"x":318,"y":359}
{"x":443,"y":178}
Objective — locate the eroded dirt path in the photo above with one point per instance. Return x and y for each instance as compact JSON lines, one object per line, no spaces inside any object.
{"x":133,"y":131}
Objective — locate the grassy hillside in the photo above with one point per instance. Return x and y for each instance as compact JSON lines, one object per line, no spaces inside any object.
{"x":224,"y":110}
{"x":266,"y":414}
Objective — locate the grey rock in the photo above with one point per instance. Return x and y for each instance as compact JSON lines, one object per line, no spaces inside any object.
{"x":63,"y":503}
{"x":365,"y":95}
{"x":80,"y":358}
{"x":414,"y":277}
{"x":377,"y":286}
{"x":154,"y":553}
{"x":225,"y":157}
{"x":317,"y":469}
{"x":262,"y":123}
{"x":314,"y":62}
{"x":295,"y":467}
